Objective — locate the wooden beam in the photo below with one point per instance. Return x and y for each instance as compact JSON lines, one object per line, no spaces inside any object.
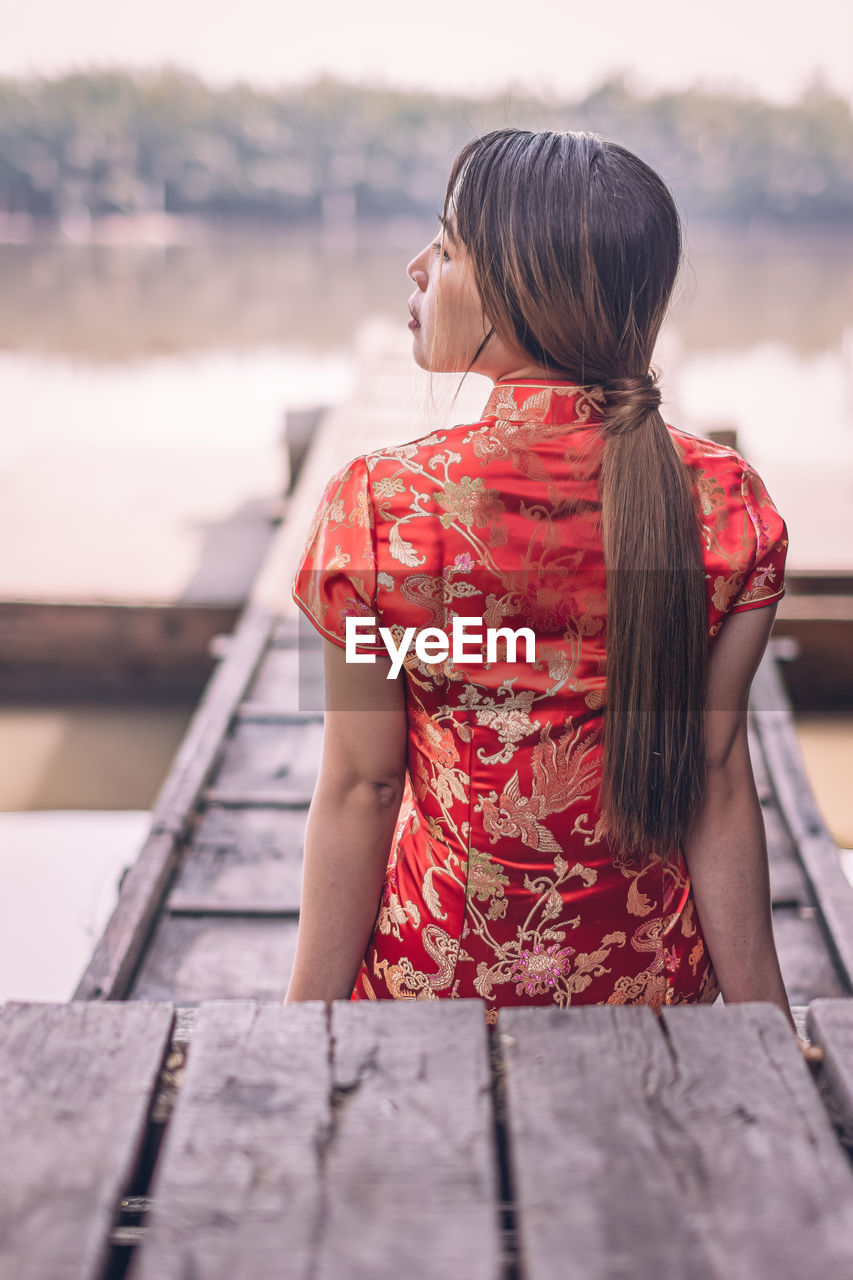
{"x":62,"y":649}
{"x":815,"y":846}
{"x":259,"y":713}
{"x":76,"y":1085}
{"x":110,"y":970}
{"x":345,"y":1140}
{"x":829,"y":1025}
{"x":233,"y":799}
{"x":693,"y":1146}
{"x":181,"y":905}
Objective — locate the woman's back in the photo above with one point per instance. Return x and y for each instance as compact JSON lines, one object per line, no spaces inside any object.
{"x":501,"y":882}
{"x":542,"y":815}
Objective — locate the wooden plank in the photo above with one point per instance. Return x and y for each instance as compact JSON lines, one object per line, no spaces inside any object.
{"x":53,"y":650}
{"x":808,"y":968}
{"x":788,"y":882}
{"x":267,"y":757}
{"x":244,"y":854}
{"x":701,"y":1152}
{"x":76,"y":1084}
{"x":829,"y":1024}
{"x":120,"y":946}
{"x":257,"y":799}
{"x":595,"y":1195}
{"x":799,"y":1012}
{"x":263,"y":714}
{"x":787,"y":878}
{"x":289,"y":680}
{"x":179,"y":904}
{"x":817,"y":850}
{"x":820,"y":675}
{"x":195,"y":958}
{"x":330,"y":1141}
{"x":427,"y":1099}
{"x":782,"y":1187}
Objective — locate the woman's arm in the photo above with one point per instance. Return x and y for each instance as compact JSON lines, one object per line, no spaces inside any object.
{"x":726,"y":850}
{"x":350,"y":824}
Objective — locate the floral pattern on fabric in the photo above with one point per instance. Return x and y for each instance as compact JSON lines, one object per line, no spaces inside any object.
{"x":499,"y":883}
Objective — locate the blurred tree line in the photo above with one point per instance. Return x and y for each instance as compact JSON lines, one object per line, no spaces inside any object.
{"x":112,"y":142}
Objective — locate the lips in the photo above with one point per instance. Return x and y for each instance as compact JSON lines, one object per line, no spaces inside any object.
{"x":414,"y":323}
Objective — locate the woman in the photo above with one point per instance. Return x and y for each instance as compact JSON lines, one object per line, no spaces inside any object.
{"x":580,"y":825}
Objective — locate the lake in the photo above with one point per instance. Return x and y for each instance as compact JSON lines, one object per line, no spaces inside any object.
{"x":197,"y":342}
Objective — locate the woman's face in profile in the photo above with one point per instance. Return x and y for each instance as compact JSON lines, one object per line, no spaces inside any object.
{"x":447,"y":317}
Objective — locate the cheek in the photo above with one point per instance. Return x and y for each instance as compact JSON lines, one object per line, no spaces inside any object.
{"x":459,"y":307}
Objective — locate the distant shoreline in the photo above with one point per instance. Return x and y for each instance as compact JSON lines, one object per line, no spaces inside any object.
{"x":158,"y":228}
{"x":103,"y":143}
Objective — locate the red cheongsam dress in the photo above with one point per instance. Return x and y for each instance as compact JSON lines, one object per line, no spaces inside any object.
{"x":499,"y":883}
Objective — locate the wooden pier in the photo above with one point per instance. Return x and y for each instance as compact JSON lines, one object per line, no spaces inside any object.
{"x":175,"y":1121}
{"x":365,"y":1141}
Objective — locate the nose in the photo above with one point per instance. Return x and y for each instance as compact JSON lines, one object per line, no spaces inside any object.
{"x":416,"y":272}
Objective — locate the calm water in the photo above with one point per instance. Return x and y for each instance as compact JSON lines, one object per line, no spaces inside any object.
{"x":116,"y":356}
{"x":200,"y":343}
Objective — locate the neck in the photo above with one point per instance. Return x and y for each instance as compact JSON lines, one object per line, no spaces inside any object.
{"x":505,"y":362}
{"x":524,"y":371}
{"x":516,"y":372}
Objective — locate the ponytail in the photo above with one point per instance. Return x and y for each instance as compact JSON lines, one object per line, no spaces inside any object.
{"x":656,"y":640}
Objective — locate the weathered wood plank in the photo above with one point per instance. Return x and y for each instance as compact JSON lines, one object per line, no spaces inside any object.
{"x":787,"y":878}
{"x":244,"y":855}
{"x":256,"y":799}
{"x":180,"y":904}
{"x":120,"y":946}
{"x":262,"y":713}
{"x":782,"y":1190}
{"x":702,"y":1152}
{"x":788,"y":881}
{"x":260,"y":757}
{"x":807,"y":966}
{"x":290,"y":677}
{"x":63,"y":649}
{"x":595,"y":1195}
{"x":195,"y":958}
{"x":829,"y":1024}
{"x":76,"y":1083}
{"x":341,"y":1142}
{"x":817,"y":850}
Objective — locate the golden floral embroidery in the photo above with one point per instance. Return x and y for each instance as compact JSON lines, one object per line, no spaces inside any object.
{"x":469,"y":502}
{"x":500,"y":883}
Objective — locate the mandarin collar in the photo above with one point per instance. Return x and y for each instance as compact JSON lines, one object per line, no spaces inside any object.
{"x":555,"y":400}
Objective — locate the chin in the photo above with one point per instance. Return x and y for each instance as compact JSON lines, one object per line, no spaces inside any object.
{"x":435,"y":366}
{"x":419,"y":360}
{"x":422,"y":360}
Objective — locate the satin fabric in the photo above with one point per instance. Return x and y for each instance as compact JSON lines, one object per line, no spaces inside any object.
{"x":499,"y":882}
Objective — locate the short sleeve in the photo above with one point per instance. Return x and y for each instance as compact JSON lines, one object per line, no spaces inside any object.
{"x":336,"y":577}
{"x":765,"y":536}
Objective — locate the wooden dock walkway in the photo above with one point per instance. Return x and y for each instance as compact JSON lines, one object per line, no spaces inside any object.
{"x":175,"y":1122}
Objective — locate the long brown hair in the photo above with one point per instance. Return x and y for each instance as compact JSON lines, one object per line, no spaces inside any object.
{"x":575,"y":245}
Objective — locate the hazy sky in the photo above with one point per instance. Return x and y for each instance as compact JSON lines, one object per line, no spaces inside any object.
{"x":476,"y":45}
